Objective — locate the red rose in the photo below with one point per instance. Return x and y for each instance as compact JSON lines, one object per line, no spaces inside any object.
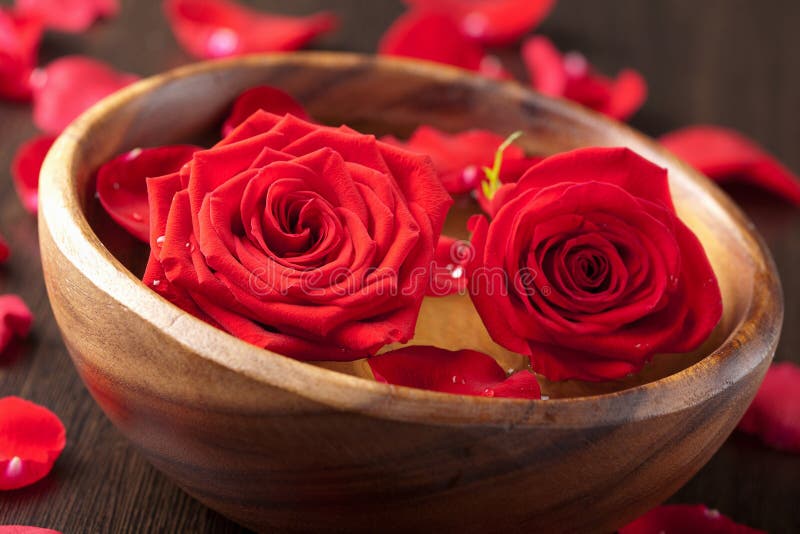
{"x":586,"y":268}
{"x":312,"y":241}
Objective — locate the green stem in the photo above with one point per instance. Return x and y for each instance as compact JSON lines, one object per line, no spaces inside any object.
{"x":492,"y":182}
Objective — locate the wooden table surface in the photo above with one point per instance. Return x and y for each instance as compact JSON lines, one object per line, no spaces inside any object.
{"x":729,"y":62}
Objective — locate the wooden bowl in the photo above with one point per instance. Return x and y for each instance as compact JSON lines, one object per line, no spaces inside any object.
{"x":276,"y":444}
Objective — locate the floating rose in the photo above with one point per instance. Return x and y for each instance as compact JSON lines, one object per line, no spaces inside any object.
{"x":122,"y":186}
{"x":586,"y":268}
{"x":69,"y":86}
{"x":31,"y":439}
{"x":463,"y":372}
{"x":774,"y":415}
{"x":495,"y":22}
{"x":68,"y":15}
{"x":312,"y":241}
{"x":265,"y":98}
{"x":724,"y":155}
{"x":15,"y":320}
{"x":570,"y":76}
{"x":19,"y":47}
{"x":220,"y":28}
{"x":460,"y":158}
{"x":685,"y":519}
{"x":434,"y":36}
{"x":25,"y":170}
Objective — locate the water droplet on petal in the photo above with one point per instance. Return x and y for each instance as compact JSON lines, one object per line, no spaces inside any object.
{"x":115,"y":185}
{"x":136,"y":216}
{"x":156,"y":282}
{"x":160,"y":240}
{"x":14,"y":467}
{"x":475,"y":24}
{"x":458,"y":272}
{"x":133,"y":154}
{"x":455,"y":379}
{"x":488,"y":392}
{"x":223,"y":42}
{"x":712,"y":514}
{"x":576,"y":65}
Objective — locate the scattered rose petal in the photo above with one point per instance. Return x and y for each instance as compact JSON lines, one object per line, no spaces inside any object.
{"x":31,"y":439}
{"x":15,"y":321}
{"x":19,"y":529}
{"x":69,"y":86}
{"x":433,"y":36}
{"x":25,"y":170}
{"x":723,"y":155}
{"x":494,"y":22}
{"x":19,"y":47}
{"x":5,"y":252}
{"x":571,"y":76}
{"x":685,"y":519}
{"x":68,"y":15}
{"x":460,"y":158}
{"x":464,"y":372}
{"x":266,"y":98}
{"x":122,"y":184}
{"x":221,"y":28}
{"x":774,"y":415}
{"x":448,"y":273}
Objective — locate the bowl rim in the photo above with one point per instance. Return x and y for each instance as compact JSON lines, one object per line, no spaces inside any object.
{"x":61,"y":215}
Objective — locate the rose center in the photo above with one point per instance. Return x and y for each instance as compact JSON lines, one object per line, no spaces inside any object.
{"x":589,"y":270}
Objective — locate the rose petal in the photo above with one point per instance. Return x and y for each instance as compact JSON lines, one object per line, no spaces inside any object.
{"x":571,"y":76}
{"x":5,"y":252}
{"x":448,"y":273}
{"x":494,"y":22}
{"x":774,"y":415}
{"x":68,"y":15}
{"x":25,"y":170}
{"x":31,"y":439}
{"x":15,"y":319}
{"x":122,"y":185}
{"x":20,"y":36}
{"x":69,"y":86}
{"x":723,"y":155}
{"x":460,"y":158}
{"x":685,"y":518}
{"x":19,"y":529}
{"x":221,"y":28}
{"x":433,"y":36}
{"x":464,"y":372}
{"x":269,"y":99}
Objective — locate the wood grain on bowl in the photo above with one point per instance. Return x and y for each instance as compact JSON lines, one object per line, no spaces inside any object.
{"x":276,"y":444}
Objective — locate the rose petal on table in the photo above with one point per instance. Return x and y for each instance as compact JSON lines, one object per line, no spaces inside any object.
{"x":25,"y":169}
{"x":15,"y":321}
{"x":571,"y":76}
{"x":220,"y":28}
{"x":19,"y":529}
{"x":464,"y":372}
{"x":492,"y":22}
{"x":68,"y":15}
{"x":725,"y":155}
{"x":448,"y":272}
{"x":685,"y":519}
{"x":31,"y":439}
{"x":20,"y":36}
{"x":774,"y":415}
{"x":434,"y":36}
{"x":270,"y":99}
{"x":460,"y":158}
{"x":122,"y":184}
{"x":69,"y":86}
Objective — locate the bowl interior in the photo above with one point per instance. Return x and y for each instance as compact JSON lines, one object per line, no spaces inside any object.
{"x":394,"y":98}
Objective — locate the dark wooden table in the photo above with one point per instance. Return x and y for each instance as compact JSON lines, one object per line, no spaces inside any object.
{"x":729,"y":62}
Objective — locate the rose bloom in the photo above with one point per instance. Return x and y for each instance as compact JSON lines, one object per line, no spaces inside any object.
{"x":311,"y":241}
{"x":586,"y":268}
